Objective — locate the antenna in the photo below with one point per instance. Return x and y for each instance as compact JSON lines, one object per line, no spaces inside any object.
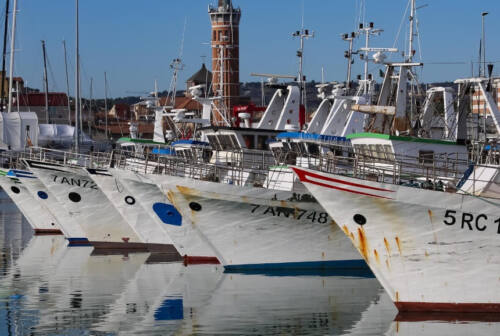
{"x":176,"y":66}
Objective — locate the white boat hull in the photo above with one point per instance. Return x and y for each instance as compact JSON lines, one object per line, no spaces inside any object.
{"x":186,"y":237}
{"x":86,"y":204}
{"x":42,"y":221}
{"x":260,"y":228}
{"x":39,"y":192}
{"x":129,"y":207}
{"x":431,"y":251}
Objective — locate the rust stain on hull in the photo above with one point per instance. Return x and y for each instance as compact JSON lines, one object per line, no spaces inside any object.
{"x":432,"y":224}
{"x":170,"y":196}
{"x":363,"y":244}
{"x":375,"y":253}
{"x":387,"y":246}
{"x":187,"y":191}
{"x":333,"y":226}
{"x":398,"y":243}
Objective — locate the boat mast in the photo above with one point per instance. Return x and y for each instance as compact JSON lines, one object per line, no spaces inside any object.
{"x":411,"y":52}
{"x":67,"y":81}
{"x":77,"y":84}
{"x":302,"y":34}
{"x":368,"y":31}
{"x":5,"y":32}
{"x":90,"y":107}
{"x":46,"y":83}
{"x":12,"y":46}
{"x":106,"y":105}
{"x":348,"y":54}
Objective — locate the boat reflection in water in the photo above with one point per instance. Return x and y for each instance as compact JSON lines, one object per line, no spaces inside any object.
{"x":47,"y":287}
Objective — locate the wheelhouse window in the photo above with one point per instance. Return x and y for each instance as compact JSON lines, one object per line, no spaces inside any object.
{"x":212,"y":139}
{"x":225,"y":142}
{"x":249,"y":141}
{"x":234,"y":141}
{"x":313,"y":149}
{"x":261,"y":141}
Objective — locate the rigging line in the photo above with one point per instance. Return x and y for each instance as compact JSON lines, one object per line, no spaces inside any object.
{"x":181,"y":51}
{"x":400,"y":27}
{"x":55,"y":87}
{"x":419,"y":41}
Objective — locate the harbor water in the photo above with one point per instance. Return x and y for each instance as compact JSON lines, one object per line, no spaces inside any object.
{"x":47,"y":288}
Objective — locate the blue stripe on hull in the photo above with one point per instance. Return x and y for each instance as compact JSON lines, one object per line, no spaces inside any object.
{"x":356,"y":267}
{"x":20,"y":173}
{"x":78,"y":242}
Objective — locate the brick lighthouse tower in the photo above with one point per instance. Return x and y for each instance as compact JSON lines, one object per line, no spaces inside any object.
{"x":225,"y":21}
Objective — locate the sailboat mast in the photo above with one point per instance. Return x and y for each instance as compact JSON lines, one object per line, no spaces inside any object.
{"x":77,"y":84}
{"x":67,"y":81}
{"x":12,"y":46}
{"x":46,"y":83}
{"x":90,"y":107}
{"x":5,"y":34}
{"x":106,"y":104}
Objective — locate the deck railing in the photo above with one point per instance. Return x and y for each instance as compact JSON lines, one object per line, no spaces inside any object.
{"x":444,"y":172}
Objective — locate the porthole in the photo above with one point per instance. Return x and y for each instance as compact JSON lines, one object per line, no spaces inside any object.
{"x":42,"y":195}
{"x":74,"y":197}
{"x":359,"y":219}
{"x":130,"y":200}
{"x":15,"y":190}
{"x":195,"y":206}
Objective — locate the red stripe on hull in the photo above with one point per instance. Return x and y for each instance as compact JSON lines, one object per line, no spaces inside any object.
{"x":448,"y":307}
{"x":447,"y":317}
{"x":193,"y":260}
{"x":302,"y":176}
{"x":41,"y":232}
{"x":347,"y":190}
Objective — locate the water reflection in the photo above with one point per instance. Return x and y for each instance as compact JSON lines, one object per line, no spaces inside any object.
{"x":48,"y":288}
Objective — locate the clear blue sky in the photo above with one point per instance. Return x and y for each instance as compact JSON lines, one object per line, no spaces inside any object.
{"x":135,"y":41}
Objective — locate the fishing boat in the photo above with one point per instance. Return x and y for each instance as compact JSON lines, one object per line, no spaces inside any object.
{"x":426,"y":226}
{"x":38,"y":193}
{"x":155,"y":201}
{"x":102,"y":223}
{"x":42,"y":221}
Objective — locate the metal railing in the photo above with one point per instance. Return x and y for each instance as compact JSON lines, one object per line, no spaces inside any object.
{"x":442,"y":172}
{"x":13,"y":159}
